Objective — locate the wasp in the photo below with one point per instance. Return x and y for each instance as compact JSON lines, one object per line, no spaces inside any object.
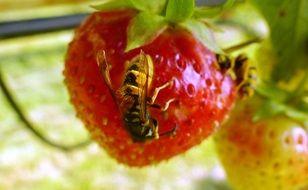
{"x":132,"y":96}
{"x":245,"y":73}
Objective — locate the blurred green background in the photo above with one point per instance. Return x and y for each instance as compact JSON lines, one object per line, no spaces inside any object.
{"x":31,"y":67}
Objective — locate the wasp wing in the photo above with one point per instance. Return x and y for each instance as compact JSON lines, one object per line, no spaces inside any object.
{"x":143,"y":84}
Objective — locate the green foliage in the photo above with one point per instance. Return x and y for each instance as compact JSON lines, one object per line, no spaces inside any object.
{"x":279,"y":101}
{"x":287,"y":20}
{"x":271,"y":107}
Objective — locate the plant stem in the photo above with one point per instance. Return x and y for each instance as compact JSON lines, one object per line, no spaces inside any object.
{"x":242,"y":45}
{"x":29,"y":126}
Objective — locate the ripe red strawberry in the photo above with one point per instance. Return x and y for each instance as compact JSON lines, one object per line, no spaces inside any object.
{"x":203,"y":94}
{"x":270,"y":154}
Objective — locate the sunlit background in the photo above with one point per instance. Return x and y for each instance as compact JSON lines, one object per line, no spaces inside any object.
{"x":31,"y":68}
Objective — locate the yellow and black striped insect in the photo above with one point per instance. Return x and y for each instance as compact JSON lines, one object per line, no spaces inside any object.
{"x":132,"y":97}
{"x":244,"y":71}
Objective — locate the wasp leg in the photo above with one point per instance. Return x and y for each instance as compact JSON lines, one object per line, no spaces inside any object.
{"x":171,"y":132}
{"x":163,"y":108}
{"x":155,"y":130}
{"x":241,"y":67}
{"x":247,"y":87}
{"x":152,"y":99}
{"x":246,"y":76}
{"x":223,"y":63}
{"x":104,"y":69}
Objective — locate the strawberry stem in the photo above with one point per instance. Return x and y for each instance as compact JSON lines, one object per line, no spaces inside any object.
{"x":242,"y":45}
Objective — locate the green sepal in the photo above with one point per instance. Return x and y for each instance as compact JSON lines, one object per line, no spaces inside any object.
{"x":271,"y":108}
{"x":143,"y":29}
{"x":152,"y":6}
{"x":303,"y":105}
{"x":279,"y":101}
{"x":297,"y":115}
{"x":202,"y":33}
{"x":113,"y":5}
{"x":268,"y":109}
{"x":270,"y":90}
{"x":179,"y":10}
{"x":209,"y":12}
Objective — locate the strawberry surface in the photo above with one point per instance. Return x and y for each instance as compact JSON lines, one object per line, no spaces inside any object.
{"x":203,"y":94}
{"x":271,"y":153}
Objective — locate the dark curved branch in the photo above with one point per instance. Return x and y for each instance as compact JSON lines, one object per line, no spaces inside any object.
{"x":30,"y":126}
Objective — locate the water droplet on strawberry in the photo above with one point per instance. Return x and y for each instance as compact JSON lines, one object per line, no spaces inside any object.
{"x":208,"y":82}
{"x":191,"y":89}
{"x":197,"y":68}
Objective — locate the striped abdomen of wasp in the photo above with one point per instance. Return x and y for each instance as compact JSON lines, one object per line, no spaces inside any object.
{"x":245,"y":73}
{"x":132,"y":97}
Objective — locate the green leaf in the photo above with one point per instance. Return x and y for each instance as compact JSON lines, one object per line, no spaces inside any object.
{"x":269,"y":108}
{"x":297,"y":115}
{"x":144,"y":28}
{"x":287,"y":20}
{"x":202,"y":33}
{"x":272,"y":91}
{"x":202,"y":12}
{"x":113,"y":4}
{"x":179,"y":10}
{"x":152,"y":6}
{"x":303,"y":105}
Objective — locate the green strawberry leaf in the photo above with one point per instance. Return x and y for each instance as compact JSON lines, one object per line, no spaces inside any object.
{"x":149,"y":6}
{"x":269,"y":108}
{"x":303,"y":105}
{"x":179,"y":10}
{"x":113,"y":4}
{"x":143,"y":29}
{"x":208,"y":12}
{"x":297,"y":115}
{"x":272,"y":107}
{"x":202,"y":33}
{"x":287,"y":20}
